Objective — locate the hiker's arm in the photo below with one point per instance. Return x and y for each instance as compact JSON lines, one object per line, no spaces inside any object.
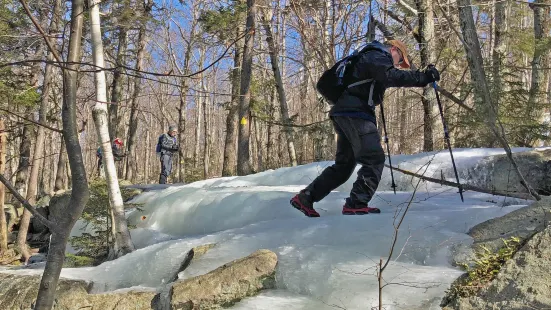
{"x":381,"y":68}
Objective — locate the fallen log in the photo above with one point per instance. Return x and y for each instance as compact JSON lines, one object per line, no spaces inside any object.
{"x":466,"y":187}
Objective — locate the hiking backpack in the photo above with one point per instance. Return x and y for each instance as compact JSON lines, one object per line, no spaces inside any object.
{"x":333,"y":82}
{"x":158,"y":148}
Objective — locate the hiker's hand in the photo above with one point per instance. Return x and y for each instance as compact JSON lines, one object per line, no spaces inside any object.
{"x":175,"y":147}
{"x":432,"y":74}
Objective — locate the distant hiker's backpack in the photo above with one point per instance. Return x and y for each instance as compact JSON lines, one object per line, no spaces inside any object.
{"x":334,"y":82}
{"x":158,"y":148}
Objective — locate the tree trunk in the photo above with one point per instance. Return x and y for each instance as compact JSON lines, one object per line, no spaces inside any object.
{"x":147,"y":150}
{"x":478,"y":76}
{"x":131,"y":163}
{"x":270,"y":149}
{"x":232,"y":119}
{"x":182,"y":112}
{"x":32,"y":187}
{"x":426,"y":33}
{"x":121,"y":235}
{"x":79,"y":196}
{"x":24,"y":159}
{"x":536,"y":99}
{"x":243,"y":155}
{"x":61,"y":175}
{"x":3,"y":224}
{"x":283,"y":106}
{"x":117,"y":85}
{"x":402,"y":145}
{"x":499,"y":48}
{"x":199,"y":110}
{"x":206,"y":155}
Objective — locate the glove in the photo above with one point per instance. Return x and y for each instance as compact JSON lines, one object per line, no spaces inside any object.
{"x":175,"y":147}
{"x":432,"y":74}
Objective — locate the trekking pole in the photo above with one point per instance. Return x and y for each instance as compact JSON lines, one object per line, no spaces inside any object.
{"x":447,"y":138}
{"x":387,"y":148}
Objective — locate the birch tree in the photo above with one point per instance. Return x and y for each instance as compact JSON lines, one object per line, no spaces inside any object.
{"x":121,"y":235}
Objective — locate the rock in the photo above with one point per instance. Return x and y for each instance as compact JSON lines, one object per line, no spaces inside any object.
{"x":522,"y":283}
{"x":227,"y":284}
{"x":522,"y":223}
{"x":12,"y":215}
{"x":130,"y":300}
{"x":192,"y":254}
{"x":35,"y":225}
{"x":37,"y":258}
{"x":496,"y":172}
{"x":20,"y":292}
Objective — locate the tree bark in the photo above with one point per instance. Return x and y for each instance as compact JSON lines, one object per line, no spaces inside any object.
{"x":121,"y":235}
{"x":243,"y":146}
{"x":24,"y":159}
{"x":478,"y":76}
{"x":232,"y":119}
{"x":131,"y":164}
{"x":199,"y":110}
{"x":499,"y":48}
{"x":61,"y":175}
{"x":283,"y":106}
{"x":3,"y":223}
{"x":32,"y":188}
{"x":427,"y":43}
{"x":79,"y":195}
{"x":206,"y":154}
{"x":182,"y":112}
{"x":536,"y":99}
{"x":117,"y":85}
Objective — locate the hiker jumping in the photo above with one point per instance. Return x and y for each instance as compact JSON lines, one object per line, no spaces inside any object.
{"x":363,"y":78}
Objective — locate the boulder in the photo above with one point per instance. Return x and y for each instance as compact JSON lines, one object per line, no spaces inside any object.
{"x":20,"y":292}
{"x":192,"y":255}
{"x":496,"y":172}
{"x":522,"y":284}
{"x":522,"y":223}
{"x":227,"y":284}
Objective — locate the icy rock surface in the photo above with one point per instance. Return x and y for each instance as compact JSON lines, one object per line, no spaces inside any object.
{"x":329,"y":260}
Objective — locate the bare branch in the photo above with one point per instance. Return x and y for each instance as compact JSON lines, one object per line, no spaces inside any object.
{"x":467,"y":186}
{"x":32,"y":121}
{"x":42,"y":32}
{"x":51,"y":226}
{"x":408,"y":7}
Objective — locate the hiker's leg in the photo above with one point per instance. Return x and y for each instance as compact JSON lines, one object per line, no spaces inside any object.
{"x":168,"y":166}
{"x":336,"y":174}
{"x":366,"y":143}
{"x":164,"y":169}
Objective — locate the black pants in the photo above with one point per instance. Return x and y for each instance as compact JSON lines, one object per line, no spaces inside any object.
{"x":358,"y":142}
{"x":166,"y":168}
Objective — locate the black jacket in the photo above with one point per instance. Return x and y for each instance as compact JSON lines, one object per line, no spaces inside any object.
{"x":375,"y":64}
{"x":169,"y":145}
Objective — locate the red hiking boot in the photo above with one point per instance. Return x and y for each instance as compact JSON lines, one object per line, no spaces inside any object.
{"x":303,"y":202}
{"x":357,"y":209}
